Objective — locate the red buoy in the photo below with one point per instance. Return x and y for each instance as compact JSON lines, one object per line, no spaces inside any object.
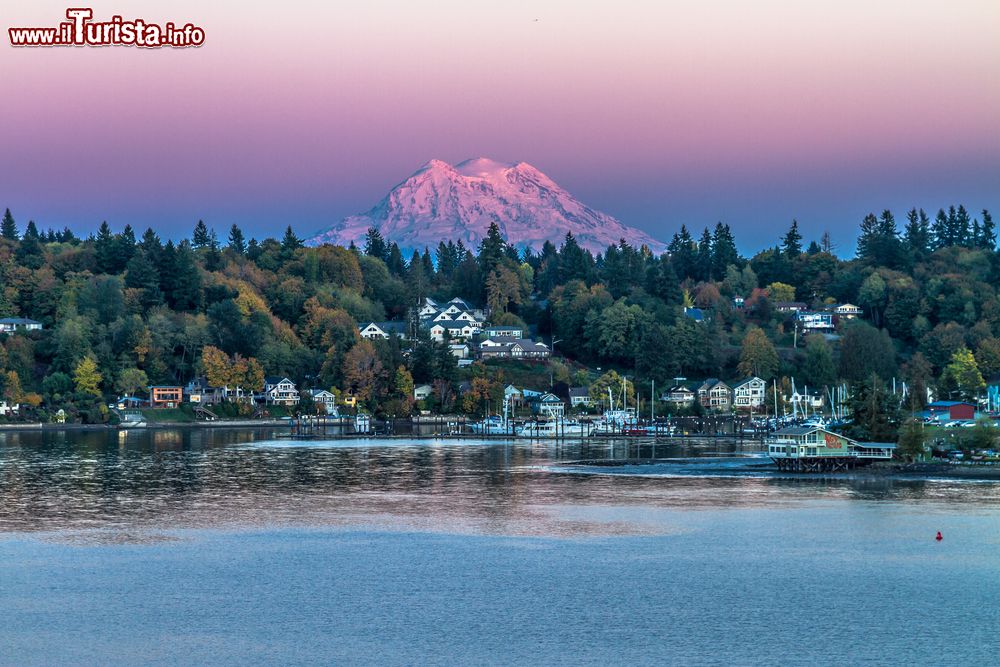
{"x":939,"y":536}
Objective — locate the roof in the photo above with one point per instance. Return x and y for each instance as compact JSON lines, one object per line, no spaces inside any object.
{"x":579,"y":391}
{"x":695,"y":314}
{"x":276,"y":379}
{"x":18,"y":320}
{"x":399,"y":326}
{"x":790,"y":304}
{"x":949,"y":404}
{"x":504,"y":328}
{"x":744,"y":381}
{"x":164,"y":386}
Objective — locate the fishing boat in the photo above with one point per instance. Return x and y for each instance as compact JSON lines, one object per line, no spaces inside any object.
{"x":495,"y":425}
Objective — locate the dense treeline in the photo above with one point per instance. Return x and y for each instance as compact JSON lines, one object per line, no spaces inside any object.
{"x":122,"y":311}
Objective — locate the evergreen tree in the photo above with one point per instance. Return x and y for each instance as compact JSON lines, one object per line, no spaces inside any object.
{"x":941,"y":231}
{"x":199,"y":239}
{"x":492,"y":249}
{"x":31,"y":232}
{"x":703,"y":261}
{"x":791,"y":244}
{"x":142,"y":274}
{"x":724,"y":253}
{"x":8,"y":228}
{"x":236,"y":242}
{"x":186,"y":280}
{"x":683,"y":254}
{"x":395,"y":262}
{"x":963,"y":231}
{"x":105,"y":250}
{"x":575,"y":263}
{"x":375,"y":244}
{"x":290,"y":243}
{"x":987,"y":233}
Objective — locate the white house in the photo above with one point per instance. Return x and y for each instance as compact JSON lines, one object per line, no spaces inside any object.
{"x":749,"y":393}
{"x":460,"y":350}
{"x":280,"y":391}
{"x":678,"y":396}
{"x":503,"y":332}
{"x":324,"y":400}
{"x":422,"y":392}
{"x":386,"y":330}
{"x":813,"y":322}
{"x":580,"y":397}
{"x":848,"y":311}
{"x":548,"y":405}
{"x":8,"y":409}
{"x":12,"y":324}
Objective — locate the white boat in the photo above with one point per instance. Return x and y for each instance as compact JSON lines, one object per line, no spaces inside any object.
{"x":362,"y":423}
{"x":494,"y":425}
{"x":556,"y":428}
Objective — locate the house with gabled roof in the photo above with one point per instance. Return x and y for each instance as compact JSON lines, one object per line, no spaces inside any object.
{"x":749,"y":393}
{"x":385,"y":330}
{"x":279,"y":390}
{"x":714,"y":394}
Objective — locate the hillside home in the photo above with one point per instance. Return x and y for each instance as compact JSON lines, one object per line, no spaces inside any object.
{"x":12,"y":324}
{"x":503,"y":332}
{"x":385,"y":330}
{"x":847,"y":311}
{"x":814,"y":322}
{"x":422,"y":392}
{"x":9,"y":409}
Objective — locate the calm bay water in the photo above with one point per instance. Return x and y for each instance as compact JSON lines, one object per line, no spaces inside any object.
{"x":233,"y":547}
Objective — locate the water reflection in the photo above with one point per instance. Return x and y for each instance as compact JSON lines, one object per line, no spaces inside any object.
{"x":132,"y":483}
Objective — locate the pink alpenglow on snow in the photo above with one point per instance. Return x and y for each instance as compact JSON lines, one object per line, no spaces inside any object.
{"x":441,"y":202}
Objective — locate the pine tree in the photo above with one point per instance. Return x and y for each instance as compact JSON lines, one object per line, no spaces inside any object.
{"x":791,"y":244}
{"x":963,"y":231}
{"x":703,"y":262}
{"x":375,"y":245}
{"x":199,"y":239}
{"x":8,"y":228}
{"x":185,"y":293}
{"x":941,"y":230}
{"x":682,"y":253}
{"x":987,"y":233}
{"x":104,"y":249}
{"x":289,"y":244}
{"x":236,"y":242}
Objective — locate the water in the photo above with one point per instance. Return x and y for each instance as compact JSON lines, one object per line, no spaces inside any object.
{"x":233,"y":547}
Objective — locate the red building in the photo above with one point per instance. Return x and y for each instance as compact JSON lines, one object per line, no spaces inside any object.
{"x":954,"y":410}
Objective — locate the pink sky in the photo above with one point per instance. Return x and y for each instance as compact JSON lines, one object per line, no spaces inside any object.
{"x":302,"y":113}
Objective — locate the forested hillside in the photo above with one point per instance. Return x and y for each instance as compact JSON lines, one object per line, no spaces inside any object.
{"x":122,"y":310}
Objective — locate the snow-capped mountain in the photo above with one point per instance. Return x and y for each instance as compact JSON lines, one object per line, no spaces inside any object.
{"x":444,"y":202}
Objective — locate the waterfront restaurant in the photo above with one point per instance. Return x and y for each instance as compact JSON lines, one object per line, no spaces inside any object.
{"x":815,"y":449}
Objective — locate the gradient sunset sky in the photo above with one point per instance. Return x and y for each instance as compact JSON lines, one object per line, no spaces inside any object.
{"x":657,"y":113}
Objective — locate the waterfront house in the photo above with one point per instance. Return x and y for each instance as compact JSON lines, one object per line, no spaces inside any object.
{"x":279,"y":390}
{"x":324,"y":401}
{"x":678,"y":396}
{"x":12,"y":324}
{"x":513,"y":396}
{"x":807,"y":400}
{"x":579,"y":397}
{"x":9,"y":409}
{"x":384,"y":330}
{"x":165,"y":396}
{"x":816,"y":449}
{"x":547,"y":405}
{"x":749,"y":393}
{"x":422,"y":392}
{"x":714,"y":394}
{"x":200,"y":392}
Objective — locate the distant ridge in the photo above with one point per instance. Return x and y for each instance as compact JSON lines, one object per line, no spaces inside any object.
{"x":444,"y":202}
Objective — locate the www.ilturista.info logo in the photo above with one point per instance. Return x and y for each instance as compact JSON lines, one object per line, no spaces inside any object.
{"x":80,"y":30}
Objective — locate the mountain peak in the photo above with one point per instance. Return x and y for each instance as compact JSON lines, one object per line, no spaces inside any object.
{"x":444,"y":202}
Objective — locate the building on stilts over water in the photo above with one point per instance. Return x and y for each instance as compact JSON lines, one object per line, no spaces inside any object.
{"x":815,"y":449}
